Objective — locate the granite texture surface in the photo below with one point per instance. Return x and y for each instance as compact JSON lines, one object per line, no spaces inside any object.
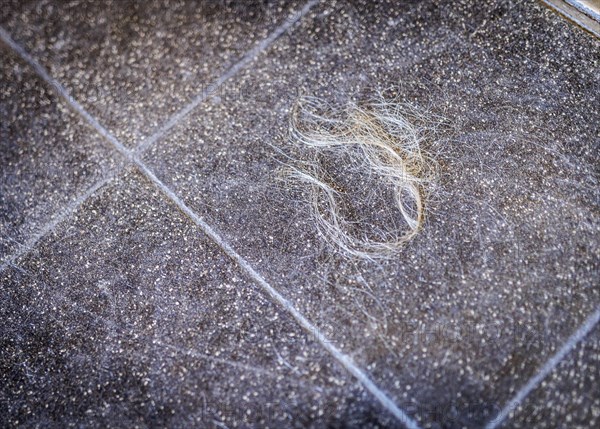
{"x":48,"y":155}
{"x":507,"y":264}
{"x":127,"y":314}
{"x":569,"y":397}
{"x":133,"y":64}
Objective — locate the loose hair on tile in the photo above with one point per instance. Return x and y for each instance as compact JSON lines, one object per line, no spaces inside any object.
{"x":379,"y":139}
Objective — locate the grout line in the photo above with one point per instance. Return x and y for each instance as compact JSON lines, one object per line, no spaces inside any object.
{"x":548,"y":367}
{"x":345,"y":360}
{"x":342,"y":358}
{"x":237,"y":67}
{"x":43,"y":73}
{"x":70,"y":208}
{"x":50,"y":226}
{"x":63,"y":92}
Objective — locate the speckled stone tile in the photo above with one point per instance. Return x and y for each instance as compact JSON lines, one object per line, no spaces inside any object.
{"x":128,"y":316}
{"x":48,"y":155}
{"x":133,"y":64}
{"x":570,"y":396}
{"x":507,"y":264}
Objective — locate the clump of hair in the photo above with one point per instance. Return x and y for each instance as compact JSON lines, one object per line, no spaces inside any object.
{"x":377,"y":143}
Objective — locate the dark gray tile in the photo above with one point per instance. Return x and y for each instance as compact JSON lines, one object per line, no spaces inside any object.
{"x":128,"y":316}
{"x":48,"y":155}
{"x":570,"y":396}
{"x":506,"y":267}
{"x":133,"y":64}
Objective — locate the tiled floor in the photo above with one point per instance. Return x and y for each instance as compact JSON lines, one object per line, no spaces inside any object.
{"x":158,"y":273}
{"x":568,"y":397}
{"x":43,"y":143}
